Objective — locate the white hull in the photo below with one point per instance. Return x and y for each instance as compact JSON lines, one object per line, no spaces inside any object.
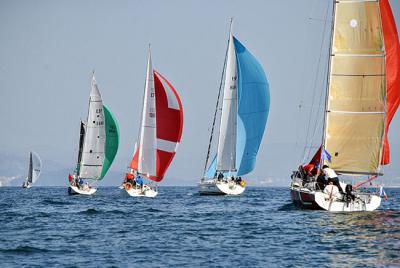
{"x":147,"y":191}
{"x":214,"y":187}
{"x":364,"y":202}
{"x":73,"y":190}
{"x":312,"y":199}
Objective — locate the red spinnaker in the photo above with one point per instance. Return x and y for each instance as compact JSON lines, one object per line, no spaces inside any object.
{"x":169,"y":123}
{"x":392,"y":48}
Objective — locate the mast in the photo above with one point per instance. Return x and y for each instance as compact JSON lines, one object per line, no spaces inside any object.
{"x":217,"y":104}
{"x":147,"y":137}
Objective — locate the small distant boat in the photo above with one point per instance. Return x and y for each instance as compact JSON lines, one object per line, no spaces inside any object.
{"x":363,"y":94}
{"x":35,"y":167}
{"x":159,"y":135}
{"x":98,"y":145}
{"x":245,"y":108}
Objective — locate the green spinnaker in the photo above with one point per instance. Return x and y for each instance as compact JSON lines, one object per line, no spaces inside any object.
{"x":112,"y":140}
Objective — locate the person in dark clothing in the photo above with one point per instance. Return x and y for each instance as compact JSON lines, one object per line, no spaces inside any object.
{"x":321,"y":182}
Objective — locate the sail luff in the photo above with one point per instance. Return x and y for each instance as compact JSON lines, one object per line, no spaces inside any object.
{"x":147,"y":137}
{"x":226,"y":154}
{"x":356,"y":91}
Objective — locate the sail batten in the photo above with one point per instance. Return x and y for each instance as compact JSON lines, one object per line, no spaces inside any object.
{"x":355,"y":112}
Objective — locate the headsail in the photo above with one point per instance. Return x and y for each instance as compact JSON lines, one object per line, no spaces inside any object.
{"x":355,"y":116}
{"x":392,"y":49}
{"x":169,"y":126}
{"x":93,"y":148}
{"x":112,"y":140}
{"x":253,"y":108}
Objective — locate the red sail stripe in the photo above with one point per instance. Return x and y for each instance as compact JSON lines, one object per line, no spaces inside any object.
{"x":169,"y":125}
{"x":392,"y":48}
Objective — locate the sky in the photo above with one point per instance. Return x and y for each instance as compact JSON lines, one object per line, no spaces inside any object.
{"x":49,"y":49}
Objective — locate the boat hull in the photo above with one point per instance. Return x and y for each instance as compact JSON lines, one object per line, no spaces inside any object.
{"x":26,"y":185}
{"x":214,"y":187}
{"x":73,"y":190}
{"x":138,"y":192}
{"x":308,"y":199}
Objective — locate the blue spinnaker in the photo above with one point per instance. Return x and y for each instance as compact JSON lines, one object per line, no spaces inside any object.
{"x":253,"y":108}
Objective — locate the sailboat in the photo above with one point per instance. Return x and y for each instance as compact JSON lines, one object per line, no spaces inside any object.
{"x":35,"y":167}
{"x":98,"y":145}
{"x":363,"y":94}
{"x":159,"y":135}
{"x":245,"y":108}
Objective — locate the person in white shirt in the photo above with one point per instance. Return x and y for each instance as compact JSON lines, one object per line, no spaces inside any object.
{"x":331,"y":174}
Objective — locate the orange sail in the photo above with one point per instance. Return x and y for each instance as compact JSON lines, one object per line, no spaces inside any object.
{"x":392,"y":48}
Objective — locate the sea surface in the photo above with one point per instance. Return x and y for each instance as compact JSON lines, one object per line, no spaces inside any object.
{"x":43,"y":226}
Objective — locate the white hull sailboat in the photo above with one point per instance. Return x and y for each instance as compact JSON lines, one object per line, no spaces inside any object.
{"x":98,"y":145}
{"x":222,"y":187}
{"x":82,"y":190}
{"x":35,"y":167}
{"x":245,"y":107}
{"x":362,"y":97}
{"x":159,"y":135}
{"x":145,"y":191}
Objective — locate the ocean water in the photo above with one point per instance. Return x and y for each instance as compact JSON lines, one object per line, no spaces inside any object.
{"x":43,"y":226}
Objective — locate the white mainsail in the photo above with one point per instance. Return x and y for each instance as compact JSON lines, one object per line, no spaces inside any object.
{"x":147,"y":136}
{"x":36,"y":166}
{"x":93,"y":148}
{"x":226,"y":155}
{"x":355,"y":117}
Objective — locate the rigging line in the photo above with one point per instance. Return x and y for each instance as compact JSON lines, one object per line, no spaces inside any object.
{"x":315,"y":85}
{"x":216,"y":110}
{"x":317,"y":125}
{"x":301,"y":103}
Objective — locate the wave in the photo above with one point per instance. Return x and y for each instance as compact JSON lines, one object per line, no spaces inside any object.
{"x":54,"y":202}
{"x":287,"y":207}
{"x":24,"y":249}
{"x":90,"y":211}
